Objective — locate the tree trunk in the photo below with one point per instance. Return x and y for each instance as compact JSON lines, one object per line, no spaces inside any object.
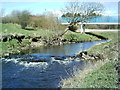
{"x":64,"y":32}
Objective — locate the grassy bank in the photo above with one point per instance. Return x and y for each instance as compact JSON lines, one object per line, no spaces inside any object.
{"x":103,"y":77}
{"x":103,"y":74}
{"x":14,"y":46}
{"x":79,"y":37}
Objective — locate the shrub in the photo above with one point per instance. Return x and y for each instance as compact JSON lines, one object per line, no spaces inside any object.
{"x":46,"y":21}
{"x":24,"y":18}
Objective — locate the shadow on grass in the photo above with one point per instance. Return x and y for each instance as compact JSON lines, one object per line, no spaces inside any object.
{"x":30,"y":29}
{"x":98,"y":36}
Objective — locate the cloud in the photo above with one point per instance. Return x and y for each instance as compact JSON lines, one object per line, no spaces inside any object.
{"x":56,"y":13}
{"x":110,"y":13}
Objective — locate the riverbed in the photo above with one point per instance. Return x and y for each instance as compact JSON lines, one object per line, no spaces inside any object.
{"x":44,"y":67}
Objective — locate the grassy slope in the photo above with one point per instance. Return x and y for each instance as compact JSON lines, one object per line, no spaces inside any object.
{"x":102,"y":75}
{"x":79,"y":37}
{"x":106,"y":76}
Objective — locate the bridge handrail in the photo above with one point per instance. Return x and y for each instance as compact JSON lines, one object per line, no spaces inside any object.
{"x":93,"y":23}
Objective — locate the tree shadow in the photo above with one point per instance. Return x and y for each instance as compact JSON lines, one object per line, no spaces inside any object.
{"x":98,"y":36}
{"x":29,"y":29}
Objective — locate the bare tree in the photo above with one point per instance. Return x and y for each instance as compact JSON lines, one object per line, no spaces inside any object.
{"x":75,"y":12}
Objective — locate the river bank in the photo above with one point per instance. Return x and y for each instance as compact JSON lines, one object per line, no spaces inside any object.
{"x":15,"y":40}
{"x":104,"y":74}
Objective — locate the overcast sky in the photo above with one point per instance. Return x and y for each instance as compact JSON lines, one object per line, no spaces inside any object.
{"x":40,"y":6}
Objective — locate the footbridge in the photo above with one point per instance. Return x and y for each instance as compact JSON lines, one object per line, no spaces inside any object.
{"x":94,"y":23}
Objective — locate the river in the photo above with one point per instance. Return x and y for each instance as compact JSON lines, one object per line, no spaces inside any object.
{"x":44,"y":67}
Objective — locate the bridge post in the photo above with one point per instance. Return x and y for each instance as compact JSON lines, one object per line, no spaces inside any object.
{"x":82,"y":30}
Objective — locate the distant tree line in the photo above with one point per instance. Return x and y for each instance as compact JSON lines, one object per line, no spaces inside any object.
{"x":25,"y":18}
{"x":18,"y":17}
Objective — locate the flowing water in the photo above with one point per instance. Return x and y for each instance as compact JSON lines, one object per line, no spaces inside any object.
{"x":44,"y":67}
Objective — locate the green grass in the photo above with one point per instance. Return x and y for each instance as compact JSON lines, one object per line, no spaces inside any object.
{"x":79,"y":37}
{"x":25,"y":41}
{"x":109,"y":35}
{"x":102,"y":75}
{"x":108,"y":49}
{"x":16,"y":29}
{"x":10,"y":47}
{"x":105,"y":77}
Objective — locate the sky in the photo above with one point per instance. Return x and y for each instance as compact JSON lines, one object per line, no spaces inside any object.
{"x":39,"y":7}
